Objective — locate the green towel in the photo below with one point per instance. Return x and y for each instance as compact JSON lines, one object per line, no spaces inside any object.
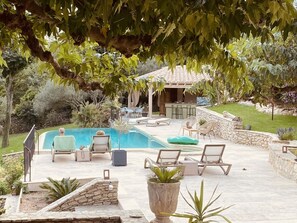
{"x":64,"y":143}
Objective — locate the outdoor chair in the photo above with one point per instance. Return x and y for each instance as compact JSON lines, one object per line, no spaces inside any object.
{"x":212,"y":156}
{"x":205,"y":129}
{"x":188,"y":125}
{"x":100,"y":145}
{"x":166,"y":158}
{"x":159,"y":121}
{"x":63,"y":145}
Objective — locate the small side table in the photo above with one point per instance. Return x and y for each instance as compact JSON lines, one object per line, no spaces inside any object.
{"x":82,"y":155}
{"x":191,"y":167}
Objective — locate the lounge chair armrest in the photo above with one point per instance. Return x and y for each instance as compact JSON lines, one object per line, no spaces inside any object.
{"x":150,"y":163}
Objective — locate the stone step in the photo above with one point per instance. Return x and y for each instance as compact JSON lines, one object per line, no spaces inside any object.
{"x":97,"y":208}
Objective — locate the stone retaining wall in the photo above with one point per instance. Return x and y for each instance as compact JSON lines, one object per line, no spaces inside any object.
{"x":283,"y":163}
{"x":119,"y":216}
{"x":233,"y":130}
{"x":12,"y":155}
{"x":95,"y":192}
{"x":254,"y":138}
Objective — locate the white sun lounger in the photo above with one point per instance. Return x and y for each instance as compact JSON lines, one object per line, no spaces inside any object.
{"x":141,"y":120}
{"x":159,"y":121}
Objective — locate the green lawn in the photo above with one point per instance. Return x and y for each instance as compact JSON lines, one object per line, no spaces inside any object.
{"x":16,"y":140}
{"x":258,"y":120}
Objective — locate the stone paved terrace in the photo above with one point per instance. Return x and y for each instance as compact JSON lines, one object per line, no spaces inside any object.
{"x":257,"y":192}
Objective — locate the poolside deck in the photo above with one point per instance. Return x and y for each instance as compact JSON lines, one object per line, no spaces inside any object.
{"x":257,"y":192}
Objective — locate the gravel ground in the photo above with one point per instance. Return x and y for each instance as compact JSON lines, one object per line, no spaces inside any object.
{"x":33,"y":201}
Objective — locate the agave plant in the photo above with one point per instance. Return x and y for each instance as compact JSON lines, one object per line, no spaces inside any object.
{"x":59,"y":189}
{"x":164,"y":175}
{"x":203,"y":214}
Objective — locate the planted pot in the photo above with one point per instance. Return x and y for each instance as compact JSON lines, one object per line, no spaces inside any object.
{"x":163,"y":198}
{"x":119,"y":158}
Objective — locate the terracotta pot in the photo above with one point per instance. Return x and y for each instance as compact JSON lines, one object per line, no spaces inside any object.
{"x":163,"y":198}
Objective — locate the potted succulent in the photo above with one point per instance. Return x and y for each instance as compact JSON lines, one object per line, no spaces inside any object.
{"x":119,"y":157}
{"x":203,"y":213}
{"x":163,"y":190}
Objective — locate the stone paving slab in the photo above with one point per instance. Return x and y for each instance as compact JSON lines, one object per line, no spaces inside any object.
{"x":257,"y":192}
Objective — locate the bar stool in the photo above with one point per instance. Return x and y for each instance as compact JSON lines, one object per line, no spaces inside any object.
{"x":191,"y":111}
{"x":177,"y":111}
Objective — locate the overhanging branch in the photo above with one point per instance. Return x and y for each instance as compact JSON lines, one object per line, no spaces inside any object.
{"x":20,"y":22}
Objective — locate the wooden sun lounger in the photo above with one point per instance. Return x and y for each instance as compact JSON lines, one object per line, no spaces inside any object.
{"x":159,"y":121}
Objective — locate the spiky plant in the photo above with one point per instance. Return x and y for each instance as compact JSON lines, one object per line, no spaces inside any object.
{"x":164,"y":175}
{"x":203,"y":214}
{"x":58,"y":189}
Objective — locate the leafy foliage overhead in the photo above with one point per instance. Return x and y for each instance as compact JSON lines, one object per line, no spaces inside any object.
{"x":271,"y":66}
{"x":180,"y":32}
{"x":13,"y":62}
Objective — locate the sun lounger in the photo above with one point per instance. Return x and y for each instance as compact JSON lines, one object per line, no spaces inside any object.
{"x":141,"y":120}
{"x":166,"y":158}
{"x":63,"y":145}
{"x":159,"y":121}
{"x":212,"y":156}
{"x":100,"y":145}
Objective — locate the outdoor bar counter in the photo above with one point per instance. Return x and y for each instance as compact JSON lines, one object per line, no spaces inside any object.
{"x":180,"y":110}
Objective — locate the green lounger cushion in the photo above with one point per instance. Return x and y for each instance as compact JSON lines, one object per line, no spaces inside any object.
{"x":183,"y":140}
{"x":64,"y":143}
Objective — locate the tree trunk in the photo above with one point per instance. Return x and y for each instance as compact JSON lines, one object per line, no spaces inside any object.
{"x":7,"y":122}
{"x":272,"y":111}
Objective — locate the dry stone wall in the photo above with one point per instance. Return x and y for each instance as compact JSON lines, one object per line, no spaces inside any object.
{"x":119,"y":216}
{"x":95,"y":192}
{"x":283,"y":163}
{"x":233,"y":130}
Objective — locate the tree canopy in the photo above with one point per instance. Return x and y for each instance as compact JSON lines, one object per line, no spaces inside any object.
{"x":179,"y":32}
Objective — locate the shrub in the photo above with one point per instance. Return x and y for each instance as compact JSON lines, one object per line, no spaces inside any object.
{"x":24,"y":109}
{"x":91,"y":115}
{"x":52,"y":97}
{"x":14,"y":170}
{"x":4,"y":189}
{"x":2,"y":171}
{"x":59,"y":189}
{"x":286,"y":133}
{"x":2,"y":204}
{"x":17,"y":186}
{"x":2,"y":108}
{"x":59,"y":117}
{"x":202,"y":121}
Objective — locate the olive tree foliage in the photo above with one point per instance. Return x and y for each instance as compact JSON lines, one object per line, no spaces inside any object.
{"x":179,"y":32}
{"x":148,"y":66}
{"x":54,"y":97}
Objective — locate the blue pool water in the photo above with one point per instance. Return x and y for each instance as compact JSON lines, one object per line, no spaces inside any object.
{"x":83,"y":137}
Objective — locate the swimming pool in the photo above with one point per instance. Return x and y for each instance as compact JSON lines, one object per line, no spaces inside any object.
{"x":83,"y":137}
